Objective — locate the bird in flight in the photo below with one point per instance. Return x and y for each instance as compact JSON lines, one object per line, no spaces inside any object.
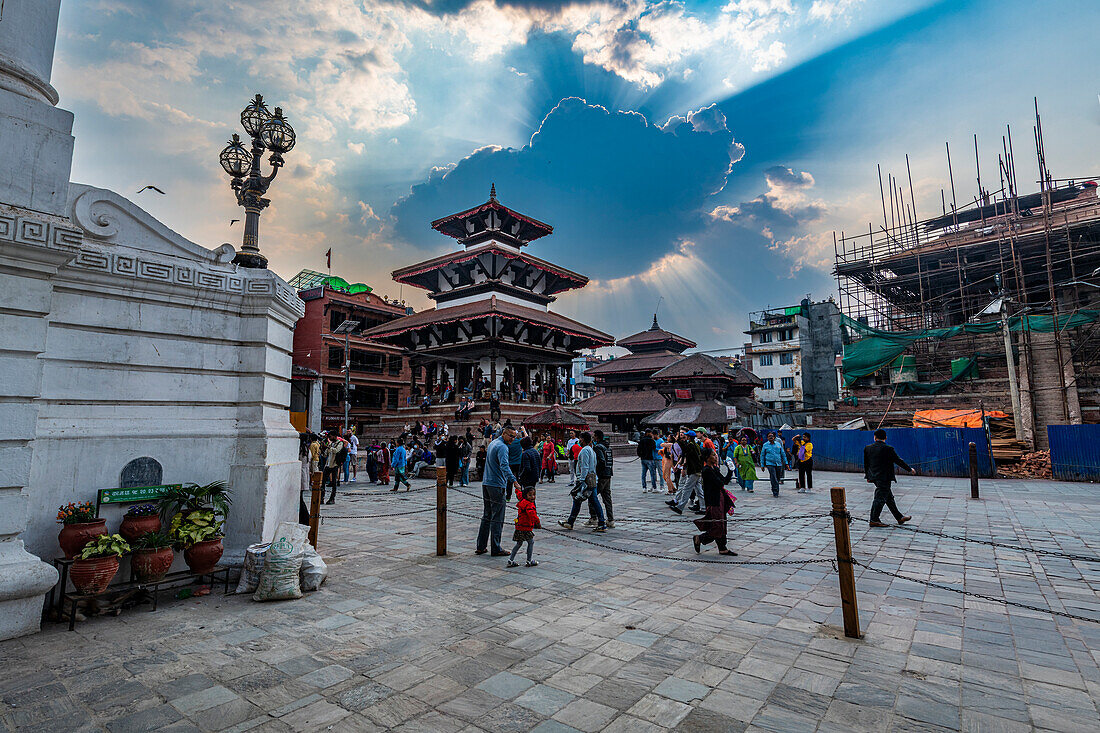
{"x":233,"y":221}
{"x":152,"y":187}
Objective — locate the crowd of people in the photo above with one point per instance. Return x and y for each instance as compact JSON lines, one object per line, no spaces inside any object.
{"x":692,"y":467}
{"x":510,"y":387}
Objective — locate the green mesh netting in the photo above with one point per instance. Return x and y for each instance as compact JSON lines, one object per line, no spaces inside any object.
{"x":878,"y":349}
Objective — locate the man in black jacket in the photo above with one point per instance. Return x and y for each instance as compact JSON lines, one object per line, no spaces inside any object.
{"x":647,"y":448}
{"x":879,"y":460}
{"x":604,"y":471}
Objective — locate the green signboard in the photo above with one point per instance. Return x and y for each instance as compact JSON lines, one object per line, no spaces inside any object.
{"x":133,"y":495}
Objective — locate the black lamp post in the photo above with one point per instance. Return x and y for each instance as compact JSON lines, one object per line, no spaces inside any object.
{"x":268,"y":132}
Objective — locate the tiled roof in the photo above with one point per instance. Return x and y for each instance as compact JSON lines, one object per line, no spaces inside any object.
{"x":648,"y":362}
{"x":654,"y":336}
{"x":489,"y":306}
{"x":409,"y":273}
{"x":704,"y":365}
{"x":631,"y":402}
{"x":557,"y":415}
{"x":703,"y":412}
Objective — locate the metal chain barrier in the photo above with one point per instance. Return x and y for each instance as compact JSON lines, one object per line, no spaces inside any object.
{"x":375,"y":516}
{"x":982,"y":596}
{"x":991,"y":543}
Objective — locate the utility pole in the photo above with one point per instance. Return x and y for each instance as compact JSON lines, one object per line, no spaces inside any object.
{"x":1013,"y":386}
{"x":346,"y":328}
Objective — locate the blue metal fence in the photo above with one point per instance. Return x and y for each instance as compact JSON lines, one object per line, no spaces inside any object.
{"x":1074,"y":452}
{"x":932,"y":451}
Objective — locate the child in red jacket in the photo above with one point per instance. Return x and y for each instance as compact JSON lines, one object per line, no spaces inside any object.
{"x":526,"y":524}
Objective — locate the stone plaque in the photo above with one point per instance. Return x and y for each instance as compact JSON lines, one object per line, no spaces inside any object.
{"x":144,"y":471}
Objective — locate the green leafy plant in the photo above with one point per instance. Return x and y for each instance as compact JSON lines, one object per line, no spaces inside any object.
{"x":195,"y":526}
{"x":153,"y":541}
{"x":105,"y":546}
{"x":191,"y":497}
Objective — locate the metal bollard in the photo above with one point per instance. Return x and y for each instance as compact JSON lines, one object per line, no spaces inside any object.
{"x":440,"y":511}
{"x":316,"y":489}
{"x":844,"y":564}
{"x":974,"y":471}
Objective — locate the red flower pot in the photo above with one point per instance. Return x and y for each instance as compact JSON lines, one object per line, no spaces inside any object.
{"x":73,"y":537}
{"x":202,"y":557}
{"x":93,"y":575}
{"x":133,"y":527}
{"x":149,"y":566}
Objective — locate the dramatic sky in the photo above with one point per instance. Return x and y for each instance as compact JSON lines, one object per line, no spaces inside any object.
{"x":699,"y":152}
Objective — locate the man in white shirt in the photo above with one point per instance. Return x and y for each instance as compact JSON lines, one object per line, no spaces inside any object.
{"x":353,"y":457}
{"x":570,"y":441}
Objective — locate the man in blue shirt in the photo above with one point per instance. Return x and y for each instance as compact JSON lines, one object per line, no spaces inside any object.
{"x":773,"y":457}
{"x":498,"y":477}
{"x":399,"y":463}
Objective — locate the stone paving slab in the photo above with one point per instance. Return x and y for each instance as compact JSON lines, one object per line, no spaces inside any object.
{"x":625,"y":631}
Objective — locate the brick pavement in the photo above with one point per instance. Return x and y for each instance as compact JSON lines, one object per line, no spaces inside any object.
{"x":598,"y":639}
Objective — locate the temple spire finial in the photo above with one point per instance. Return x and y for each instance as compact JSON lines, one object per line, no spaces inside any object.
{"x":493,"y":192}
{"x":654,"y":327}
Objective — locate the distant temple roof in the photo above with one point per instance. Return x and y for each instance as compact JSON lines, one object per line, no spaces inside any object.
{"x":655,"y":337}
{"x":704,"y":365}
{"x":499,"y":219}
{"x":632,"y":402}
{"x":649,"y":361}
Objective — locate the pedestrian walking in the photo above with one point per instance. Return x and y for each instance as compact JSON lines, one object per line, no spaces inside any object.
{"x":570,"y":441}
{"x":605,"y":469}
{"x":382,"y":461}
{"x":712,"y":525}
{"x":399,"y":464}
{"x":527,"y":522}
{"x":667,"y":462}
{"x":452,"y":457}
{"x":549,"y":460}
{"x":352,"y":461}
{"x":879,"y":460}
{"x":498,"y":478}
{"x":647,"y":452}
{"x":692,"y":468}
{"x":773,"y":457}
{"x":805,"y":457}
{"x":746,"y":466}
{"x":585,"y":487}
{"x":338,"y":456}
{"x":530,"y":463}
{"x":465,"y":451}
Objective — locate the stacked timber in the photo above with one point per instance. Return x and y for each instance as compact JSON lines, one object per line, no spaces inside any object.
{"x":1030,"y":465}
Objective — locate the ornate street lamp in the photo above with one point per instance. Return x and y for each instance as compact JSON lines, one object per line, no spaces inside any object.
{"x":268,"y":132}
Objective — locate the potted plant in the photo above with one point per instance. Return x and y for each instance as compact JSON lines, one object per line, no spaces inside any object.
{"x":97,"y":564}
{"x":195,"y":510}
{"x":80,"y":525}
{"x":152,"y":558}
{"x":139,"y":519}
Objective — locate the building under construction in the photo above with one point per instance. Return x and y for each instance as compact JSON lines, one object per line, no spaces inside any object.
{"x":939,"y":310}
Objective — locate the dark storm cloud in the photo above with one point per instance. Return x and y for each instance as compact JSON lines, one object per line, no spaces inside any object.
{"x":619,"y":190}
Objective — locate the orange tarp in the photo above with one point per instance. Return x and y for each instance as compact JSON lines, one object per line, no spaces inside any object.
{"x":952,"y":418}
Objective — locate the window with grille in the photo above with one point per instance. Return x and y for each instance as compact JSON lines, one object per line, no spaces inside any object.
{"x":766,"y":360}
{"x":786,"y":358}
{"x":786,"y":383}
{"x":769,"y":383}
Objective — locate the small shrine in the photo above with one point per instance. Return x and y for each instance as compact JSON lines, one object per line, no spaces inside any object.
{"x":705,"y":391}
{"x":492,"y":330}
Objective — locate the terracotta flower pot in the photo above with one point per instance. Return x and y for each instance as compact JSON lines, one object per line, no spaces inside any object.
{"x":149,"y":566}
{"x":93,"y":575}
{"x":201,"y":557}
{"x":73,"y":537}
{"x":133,"y":527}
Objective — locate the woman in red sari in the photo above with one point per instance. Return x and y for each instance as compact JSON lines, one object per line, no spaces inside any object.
{"x":713,"y":523}
{"x":549,"y":459}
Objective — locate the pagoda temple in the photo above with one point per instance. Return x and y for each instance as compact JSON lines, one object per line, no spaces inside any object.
{"x":628,"y":393}
{"x":492,"y":330}
{"x":703,"y":390}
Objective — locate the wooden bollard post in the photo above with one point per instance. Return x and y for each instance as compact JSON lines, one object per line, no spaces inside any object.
{"x":440,"y":511}
{"x":974,"y":471}
{"x":844,"y":564}
{"x":315,"y":490}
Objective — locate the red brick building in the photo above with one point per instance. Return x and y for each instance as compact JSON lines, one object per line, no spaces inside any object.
{"x":379,"y":373}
